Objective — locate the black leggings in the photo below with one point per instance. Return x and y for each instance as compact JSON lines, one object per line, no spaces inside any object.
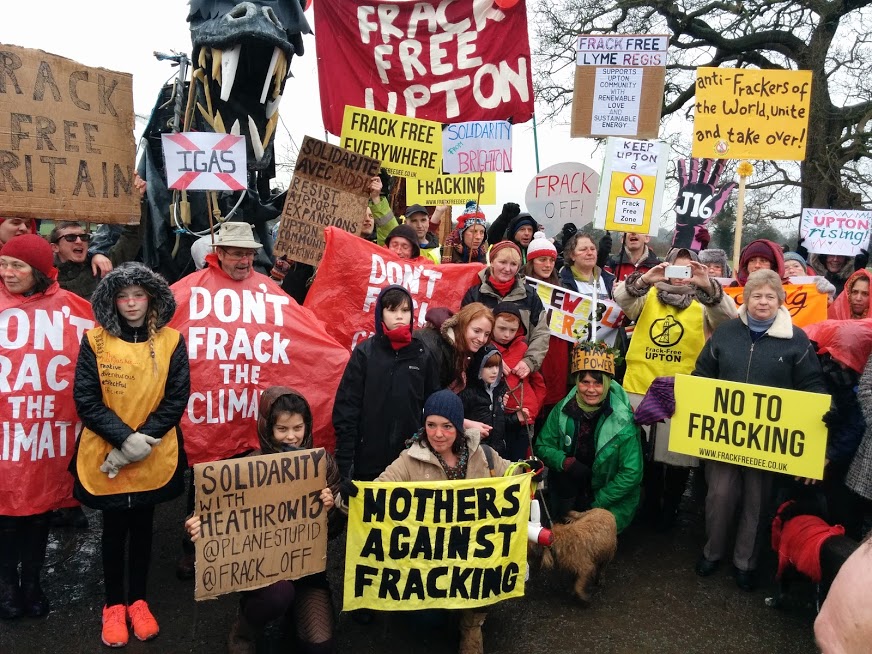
{"x":127,"y":530}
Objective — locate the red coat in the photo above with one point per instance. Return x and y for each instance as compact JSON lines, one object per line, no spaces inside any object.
{"x":555,"y":370}
{"x":534,"y":385}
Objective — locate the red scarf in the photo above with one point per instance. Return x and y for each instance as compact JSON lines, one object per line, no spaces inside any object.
{"x":502,"y":288}
{"x":399,"y":337}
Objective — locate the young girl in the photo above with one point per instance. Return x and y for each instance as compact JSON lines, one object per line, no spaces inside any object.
{"x":132,"y":386}
{"x":284,"y":424}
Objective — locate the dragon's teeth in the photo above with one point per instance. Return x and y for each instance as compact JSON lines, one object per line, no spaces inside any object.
{"x":229,"y":66}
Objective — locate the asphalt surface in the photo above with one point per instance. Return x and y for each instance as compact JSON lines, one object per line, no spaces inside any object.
{"x":651,"y":601}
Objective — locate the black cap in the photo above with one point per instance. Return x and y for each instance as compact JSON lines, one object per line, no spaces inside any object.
{"x":415,"y":208}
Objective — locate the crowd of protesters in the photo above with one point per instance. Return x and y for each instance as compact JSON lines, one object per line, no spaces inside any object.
{"x":482,"y":384}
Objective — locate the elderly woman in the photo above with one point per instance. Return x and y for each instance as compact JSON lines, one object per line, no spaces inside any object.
{"x":580,"y":272}
{"x":500,"y":282}
{"x":762,"y":347}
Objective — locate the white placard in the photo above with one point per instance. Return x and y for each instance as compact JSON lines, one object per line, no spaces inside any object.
{"x":563,"y":193}
{"x":835,"y":231}
{"x":205,"y":161}
{"x":477,"y":146}
{"x":617,"y":94}
{"x":621,"y":50}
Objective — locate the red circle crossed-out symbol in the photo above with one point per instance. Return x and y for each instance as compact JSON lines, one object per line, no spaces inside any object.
{"x":633,"y":184}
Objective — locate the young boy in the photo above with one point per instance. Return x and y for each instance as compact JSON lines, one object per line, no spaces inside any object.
{"x":381,"y":396}
{"x":483,"y":395}
{"x":521,"y":409}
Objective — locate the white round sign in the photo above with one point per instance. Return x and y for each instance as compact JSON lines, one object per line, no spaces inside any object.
{"x":563,"y":193}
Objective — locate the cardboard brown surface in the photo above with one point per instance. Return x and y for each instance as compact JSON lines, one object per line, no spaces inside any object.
{"x":262,"y":521}
{"x":329,"y":189}
{"x":66,"y":139}
{"x":651,"y":104}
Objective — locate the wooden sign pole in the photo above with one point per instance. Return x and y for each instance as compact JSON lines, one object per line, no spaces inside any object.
{"x":745,"y":170}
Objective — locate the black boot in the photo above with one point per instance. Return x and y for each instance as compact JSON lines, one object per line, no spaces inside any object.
{"x":11,"y":601}
{"x":33,"y":542}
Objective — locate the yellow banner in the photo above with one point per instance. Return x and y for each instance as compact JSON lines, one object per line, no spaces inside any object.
{"x":431,"y":191}
{"x":772,"y":429}
{"x":406,"y":147}
{"x":806,"y":304}
{"x":751,"y":114}
{"x":447,"y":545}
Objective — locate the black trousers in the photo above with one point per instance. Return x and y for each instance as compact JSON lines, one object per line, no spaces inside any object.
{"x":126,"y":531}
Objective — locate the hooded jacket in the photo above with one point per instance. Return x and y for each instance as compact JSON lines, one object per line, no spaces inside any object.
{"x":773,"y":248}
{"x":158,"y":477}
{"x":380,"y":399}
{"x":484,"y":402}
{"x":840,"y":309}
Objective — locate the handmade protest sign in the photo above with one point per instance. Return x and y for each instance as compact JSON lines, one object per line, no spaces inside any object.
{"x":205,"y":161}
{"x":835,"y":231}
{"x":742,"y":113}
{"x":763,"y":427}
{"x":434,"y":59}
{"x":330,"y":187}
{"x":619,"y":82}
{"x":354,"y":271}
{"x":806,"y":304}
{"x":631,"y":186}
{"x":261,"y":521}
{"x":452,"y":189}
{"x":563,"y":193}
{"x":569,"y":314}
{"x":39,"y":345}
{"x":406,"y":147}
{"x":447,"y":545}
{"x":477,"y":146}
{"x":244,"y":336}
{"x":66,"y":146}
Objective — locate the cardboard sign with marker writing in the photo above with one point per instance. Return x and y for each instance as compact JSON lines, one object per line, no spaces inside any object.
{"x":329,"y":189}
{"x":66,"y":139}
{"x":262,"y":521}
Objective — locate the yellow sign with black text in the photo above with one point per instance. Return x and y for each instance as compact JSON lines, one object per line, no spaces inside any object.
{"x":406,"y":147}
{"x":763,"y":427}
{"x":433,"y":190}
{"x":448,"y":544}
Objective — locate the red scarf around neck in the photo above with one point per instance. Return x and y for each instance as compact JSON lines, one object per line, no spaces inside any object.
{"x":502,"y":288}
{"x":399,"y":337}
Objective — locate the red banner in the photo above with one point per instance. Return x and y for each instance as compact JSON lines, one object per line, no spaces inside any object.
{"x":448,"y":60}
{"x":806,"y":304}
{"x":354,"y":271}
{"x":243,"y":337}
{"x":39,"y":346}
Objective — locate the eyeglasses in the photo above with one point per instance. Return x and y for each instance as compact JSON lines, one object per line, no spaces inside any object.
{"x":237,"y":254}
{"x":72,"y":238}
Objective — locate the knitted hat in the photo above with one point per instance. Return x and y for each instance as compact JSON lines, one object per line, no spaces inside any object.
{"x":446,"y":404}
{"x":511,"y":309}
{"x":472,"y":215}
{"x":759,"y":249}
{"x":715,"y":257}
{"x":523,"y":219}
{"x":34,"y":251}
{"x":502,"y":245}
{"x":408,"y":233}
{"x":541,"y":247}
{"x":793,"y":256}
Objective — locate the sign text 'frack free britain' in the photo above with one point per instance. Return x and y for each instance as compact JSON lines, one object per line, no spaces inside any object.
{"x":329,"y":189}
{"x":66,"y":139}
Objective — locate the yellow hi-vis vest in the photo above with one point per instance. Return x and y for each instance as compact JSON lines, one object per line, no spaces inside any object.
{"x":133,"y":390}
{"x":666,"y":341}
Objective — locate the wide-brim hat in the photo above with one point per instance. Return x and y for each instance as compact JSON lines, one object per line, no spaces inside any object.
{"x":236,"y":235}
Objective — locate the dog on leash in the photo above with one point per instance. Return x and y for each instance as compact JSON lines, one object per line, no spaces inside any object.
{"x":583,"y":545}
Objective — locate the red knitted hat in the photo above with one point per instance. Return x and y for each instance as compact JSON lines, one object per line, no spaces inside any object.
{"x":502,"y":245}
{"x":34,"y":251}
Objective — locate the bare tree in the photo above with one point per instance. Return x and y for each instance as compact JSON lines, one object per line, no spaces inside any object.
{"x":831,"y":38}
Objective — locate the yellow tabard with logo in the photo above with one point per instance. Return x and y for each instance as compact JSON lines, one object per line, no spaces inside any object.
{"x":133,"y":390}
{"x":666,"y":342}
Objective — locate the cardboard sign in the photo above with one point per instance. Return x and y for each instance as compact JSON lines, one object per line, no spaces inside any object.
{"x":584,"y":360}
{"x":262,"y":521}
{"x":618,"y":85}
{"x":631,"y":186}
{"x":205,"y":161}
{"x":442,"y":60}
{"x":406,"y":147}
{"x":772,"y":429}
{"x":806,"y":304}
{"x":477,"y":146}
{"x":568,"y":314}
{"x":66,"y":139}
{"x":743,"y":113}
{"x":447,"y":545}
{"x":329,"y":188}
{"x":452,"y":189}
{"x":835,"y":231}
{"x":563,"y":193}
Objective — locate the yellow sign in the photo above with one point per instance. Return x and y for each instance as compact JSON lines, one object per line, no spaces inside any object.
{"x":751,"y":114}
{"x":406,"y":147}
{"x":432,"y":191}
{"x":763,"y":427}
{"x":447,"y":545}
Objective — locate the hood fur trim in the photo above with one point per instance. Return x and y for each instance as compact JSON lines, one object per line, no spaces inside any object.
{"x":129,"y":274}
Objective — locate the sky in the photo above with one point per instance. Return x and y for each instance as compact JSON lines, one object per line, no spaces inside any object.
{"x":100,"y":33}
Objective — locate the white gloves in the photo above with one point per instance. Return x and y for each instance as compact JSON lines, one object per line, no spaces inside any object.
{"x":115,"y":460}
{"x":137,"y":446}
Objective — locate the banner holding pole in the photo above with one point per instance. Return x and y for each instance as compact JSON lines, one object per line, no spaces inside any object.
{"x":569,"y":314}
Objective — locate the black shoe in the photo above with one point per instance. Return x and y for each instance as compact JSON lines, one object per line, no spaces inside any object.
{"x":35,"y":601}
{"x":745,"y":580}
{"x":11,"y":600}
{"x":705,"y":568}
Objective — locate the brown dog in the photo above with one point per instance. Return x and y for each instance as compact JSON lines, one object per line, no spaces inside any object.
{"x":583,"y":545}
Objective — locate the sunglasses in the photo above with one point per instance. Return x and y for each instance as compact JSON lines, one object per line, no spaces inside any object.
{"x":71,"y":238}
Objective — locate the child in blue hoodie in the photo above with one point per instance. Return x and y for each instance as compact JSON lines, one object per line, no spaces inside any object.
{"x":483,"y":396}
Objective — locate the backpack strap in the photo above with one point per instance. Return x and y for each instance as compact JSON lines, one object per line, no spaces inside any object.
{"x":489,"y":456}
